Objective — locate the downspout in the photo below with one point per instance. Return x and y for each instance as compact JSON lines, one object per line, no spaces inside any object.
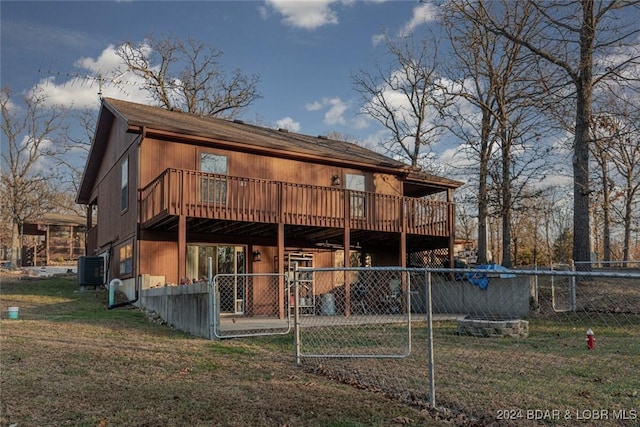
{"x":138,"y":279}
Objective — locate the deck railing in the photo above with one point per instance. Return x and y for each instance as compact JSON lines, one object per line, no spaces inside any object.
{"x":206,"y":195}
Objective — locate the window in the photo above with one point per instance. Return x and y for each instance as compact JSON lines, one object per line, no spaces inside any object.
{"x":125,"y":255}
{"x":124,"y":184}
{"x":214,"y":189}
{"x":357,"y":200}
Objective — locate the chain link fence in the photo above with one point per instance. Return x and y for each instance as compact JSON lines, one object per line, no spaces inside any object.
{"x":243,"y":305}
{"x":497,"y":346}
{"x":500,"y":347}
{"x":362,"y":313}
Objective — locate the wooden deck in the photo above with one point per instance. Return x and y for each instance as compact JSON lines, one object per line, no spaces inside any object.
{"x":203,"y":195}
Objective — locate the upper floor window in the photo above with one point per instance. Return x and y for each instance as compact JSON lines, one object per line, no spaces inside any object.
{"x":357,"y":200}
{"x":214,"y":189}
{"x":124,"y":184}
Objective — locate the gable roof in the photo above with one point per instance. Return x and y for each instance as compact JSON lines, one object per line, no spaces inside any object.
{"x":138,"y":115}
{"x":155,"y":121}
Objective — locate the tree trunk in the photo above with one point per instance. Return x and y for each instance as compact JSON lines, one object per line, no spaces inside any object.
{"x":628,"y":218}
{"x":483,"y":207}
{"x":15,"y":243}
{"x":506,"y":196}
{"x":581,"y":188}
{"x":606,"y":213}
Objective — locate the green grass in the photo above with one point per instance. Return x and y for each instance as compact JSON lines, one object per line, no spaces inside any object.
{"x":68,"y":361}
{"x":550,"y":369}
{"x":67,"y":351}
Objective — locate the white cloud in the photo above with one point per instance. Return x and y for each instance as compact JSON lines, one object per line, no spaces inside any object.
{"x":376,"y":39}
{"x":314,"y":106}
{"x":102,"y":74}
{"x":289,"y":124}
{"x":308,"y":15}
{"x":264,"y":12}
{"x":557,"y":181}
{"x":9,"y":104}
{"x":108,"y":60}
{"x":457,"y":159}
{"x":426,"y":12}
{"x":422,"y":14}
{"x":335,"y":113}
{"x":334,"y":116}
{"x":375,"y":141}
{"x":361,"y":122}
{"x":43,"y":164}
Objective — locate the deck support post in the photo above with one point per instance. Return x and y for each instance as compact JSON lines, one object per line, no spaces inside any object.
{"x":347,"y":252}
{"x":452,"y":229}
{"x":182,"y":247}
{"x":282,"y":291}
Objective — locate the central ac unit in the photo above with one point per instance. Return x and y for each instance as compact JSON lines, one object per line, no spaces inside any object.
{"x":91,"y":271}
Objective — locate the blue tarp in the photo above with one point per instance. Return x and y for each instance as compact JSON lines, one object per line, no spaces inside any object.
{"x":481,"y":280}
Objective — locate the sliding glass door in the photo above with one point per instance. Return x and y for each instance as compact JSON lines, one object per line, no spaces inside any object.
{"x":225,"y":260}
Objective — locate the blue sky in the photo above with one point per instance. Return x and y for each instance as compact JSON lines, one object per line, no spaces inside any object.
{"x":304,"y":52}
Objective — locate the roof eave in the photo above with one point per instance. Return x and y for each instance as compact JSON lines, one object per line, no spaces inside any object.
{"x":243,"y":147}
{"x":98,"y":145}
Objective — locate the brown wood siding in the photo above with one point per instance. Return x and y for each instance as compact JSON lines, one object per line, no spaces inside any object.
{"x":387,"y":184}
{"x":159,"y":258}
{"x":116,"y":225}
{"x":158,"y":155}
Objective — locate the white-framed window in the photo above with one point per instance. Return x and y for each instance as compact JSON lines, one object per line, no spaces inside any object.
{"x":125,"y":257}
{"x":124,"y":184}
{"x":213,"y":189}
{"x":357,"y":200}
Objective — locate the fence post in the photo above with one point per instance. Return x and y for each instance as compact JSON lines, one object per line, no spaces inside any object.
{"x":431,"y":370}
{"x":572,"y":289}
{"x":212,"y":299}
{"x":296,"y":312}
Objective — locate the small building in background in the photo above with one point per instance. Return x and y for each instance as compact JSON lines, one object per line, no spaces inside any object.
{"x":53,"y":239}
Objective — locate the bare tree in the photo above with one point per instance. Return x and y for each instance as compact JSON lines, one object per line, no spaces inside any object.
{"x":188,"y":76}
{"x":471,"y":48}
{"x":406,"y":98}
{"x":75,"y":148}
{"x":601,"y":151}
{"x":31,"y":136}
{"x":628,"y":165}
{"x":466,"y":224}
{"x":626,"y":160}
{"x":579,"y":40}
{"x":498,"y":116}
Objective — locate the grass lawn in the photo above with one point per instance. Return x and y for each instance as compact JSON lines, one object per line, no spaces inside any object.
{"x":68,"y":361}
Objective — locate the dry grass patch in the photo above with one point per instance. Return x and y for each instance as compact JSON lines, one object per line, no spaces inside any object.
{"x":67,"y":361}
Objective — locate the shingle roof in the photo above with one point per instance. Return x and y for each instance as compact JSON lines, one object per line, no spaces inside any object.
{"x":210,"y":127}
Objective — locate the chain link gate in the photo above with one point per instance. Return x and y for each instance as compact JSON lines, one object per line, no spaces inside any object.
{"x":244,"y":305}
{"x":563,"y":289}
{"x":361,"y":313}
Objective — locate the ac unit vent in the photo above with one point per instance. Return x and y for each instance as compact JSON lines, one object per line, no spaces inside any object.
{"x":91,"y":271}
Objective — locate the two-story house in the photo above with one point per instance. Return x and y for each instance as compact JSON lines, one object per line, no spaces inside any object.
{"x":166,"y":190}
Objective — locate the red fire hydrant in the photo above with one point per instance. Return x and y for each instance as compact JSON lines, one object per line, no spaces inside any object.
{"x":591,"y":341}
